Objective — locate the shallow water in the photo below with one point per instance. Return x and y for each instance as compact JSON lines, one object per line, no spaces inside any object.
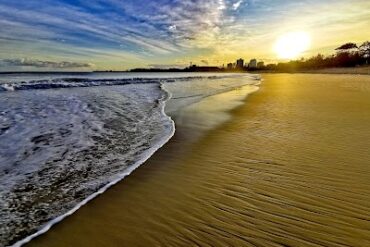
{"x":290,"y":167}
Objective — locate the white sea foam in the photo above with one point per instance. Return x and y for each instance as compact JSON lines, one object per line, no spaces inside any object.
{"x":118,"y":178}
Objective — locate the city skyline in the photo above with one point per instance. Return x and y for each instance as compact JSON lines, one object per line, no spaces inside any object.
{"x":121,"y":35}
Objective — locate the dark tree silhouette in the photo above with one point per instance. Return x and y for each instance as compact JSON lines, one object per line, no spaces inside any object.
{"x":347,"y":47}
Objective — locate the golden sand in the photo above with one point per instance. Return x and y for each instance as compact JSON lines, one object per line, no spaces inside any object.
{"x":289,"y":167}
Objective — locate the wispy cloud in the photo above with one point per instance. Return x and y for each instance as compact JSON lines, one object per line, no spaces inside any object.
{"x":167,"y":66}
{"x":237,"y":4}
{"x":24,"y":62}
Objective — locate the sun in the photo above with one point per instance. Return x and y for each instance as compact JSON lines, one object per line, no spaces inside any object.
{"x":291,"y":45}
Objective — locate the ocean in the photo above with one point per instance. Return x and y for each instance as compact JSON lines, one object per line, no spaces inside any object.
{"x":67,"y":137}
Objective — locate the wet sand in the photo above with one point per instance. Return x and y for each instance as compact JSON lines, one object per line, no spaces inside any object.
{"x":289,"y":166}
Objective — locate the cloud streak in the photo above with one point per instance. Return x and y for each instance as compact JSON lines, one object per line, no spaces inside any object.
{"x":24,"y":62}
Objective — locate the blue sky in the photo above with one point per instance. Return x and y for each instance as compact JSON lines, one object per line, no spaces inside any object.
{"x":122,"y":34}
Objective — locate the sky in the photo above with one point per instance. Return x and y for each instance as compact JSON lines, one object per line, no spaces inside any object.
{"x":79,"y":35}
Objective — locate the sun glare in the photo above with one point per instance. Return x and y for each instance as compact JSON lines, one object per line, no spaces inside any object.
{"x":291,"y":45}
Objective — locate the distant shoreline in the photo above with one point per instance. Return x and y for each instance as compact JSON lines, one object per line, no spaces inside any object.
{"x":362,"y":70}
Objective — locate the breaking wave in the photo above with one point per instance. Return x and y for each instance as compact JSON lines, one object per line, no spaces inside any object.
{"x":89,"y":82}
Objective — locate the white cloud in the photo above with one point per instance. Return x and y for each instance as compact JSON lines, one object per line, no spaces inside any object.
{"x":172,"y":28}
{"x":237,"y":4}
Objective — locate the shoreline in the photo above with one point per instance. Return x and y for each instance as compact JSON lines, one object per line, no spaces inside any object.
{"x":60,"y":220}
{"x":147,"y":155}
{"x":120,"y":177}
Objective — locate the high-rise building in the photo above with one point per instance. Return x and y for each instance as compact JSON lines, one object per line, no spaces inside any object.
{"x":253,"y":64}
{"x":240,"y":63}
{"x":260,"y":65}
{"x":229,"y":66}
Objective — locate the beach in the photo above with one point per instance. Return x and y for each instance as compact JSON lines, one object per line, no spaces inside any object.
{"x":288,"y":165}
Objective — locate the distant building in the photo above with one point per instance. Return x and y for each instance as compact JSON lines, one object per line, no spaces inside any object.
{"x":260,"y":65}
{"x":229,"y":66}
{"x":240,"y":63}
{"x":253,"y":64}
